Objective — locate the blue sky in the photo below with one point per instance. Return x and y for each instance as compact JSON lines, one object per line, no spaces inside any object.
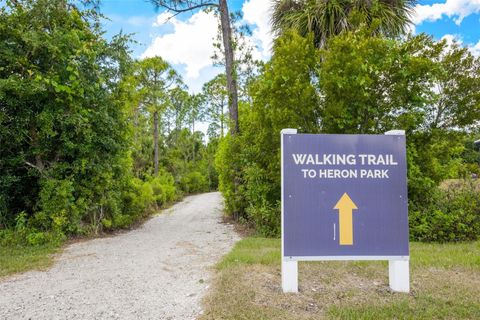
{"x":138,"y":16}
{"x":186,"y":40}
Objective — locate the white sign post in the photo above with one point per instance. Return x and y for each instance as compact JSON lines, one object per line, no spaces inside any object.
{"x":399,"y":270}
{"x":289,"y":267}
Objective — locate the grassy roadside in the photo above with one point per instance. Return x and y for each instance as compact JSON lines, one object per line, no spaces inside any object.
{"x":14,"y":259}
{"x":445,"y":285}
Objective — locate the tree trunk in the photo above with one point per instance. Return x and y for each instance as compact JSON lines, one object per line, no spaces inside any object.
{"x":193,"y":140}
{"x":229,"y":66}
{"x":231,"y":86}
{"x":221,"y":117}
{"x":155,"y":142}
{"x":221,"y":125}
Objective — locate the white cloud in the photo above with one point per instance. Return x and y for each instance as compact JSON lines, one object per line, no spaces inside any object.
{"x":258,"y":13}
{"x":455,"y":38}
{"x":190,"y":44}
{"x":475,"y":49}
{"x":456,"y":9}
{"x":451,"y":38}
{"x":162,"y":19}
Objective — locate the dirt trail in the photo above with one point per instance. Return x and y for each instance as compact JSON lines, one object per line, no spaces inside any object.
{"x":159,"y":271}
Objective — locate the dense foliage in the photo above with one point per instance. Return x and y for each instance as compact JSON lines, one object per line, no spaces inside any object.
{"x":451,"y":214}
{"x":364,"y":83}
{"x":64,"y":134}
{"x":76,"y":132}
{"x":92,"y":140}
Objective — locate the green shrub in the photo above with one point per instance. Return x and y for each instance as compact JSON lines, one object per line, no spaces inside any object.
{"x":57,"y":206}
{"x":140,"y":197}
{"x":23,"y":235}
{"x":194,"y":182}
{"x":227,"y":160}
{"x":163,"y":187}
{"x":266,"y":218}
{"x":37,"y":238}
{"x":450,"y":215}
{"x":107,"y":224}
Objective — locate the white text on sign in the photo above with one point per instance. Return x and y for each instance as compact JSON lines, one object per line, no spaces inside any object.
{"x":345,"y":160}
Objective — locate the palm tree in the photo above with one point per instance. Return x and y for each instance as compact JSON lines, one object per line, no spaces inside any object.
{"x":326,"y":18}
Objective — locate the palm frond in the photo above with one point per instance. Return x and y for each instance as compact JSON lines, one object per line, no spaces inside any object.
{"x":326,"y":18}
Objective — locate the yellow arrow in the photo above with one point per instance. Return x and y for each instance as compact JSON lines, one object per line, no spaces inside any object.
{"x":345,"y":207}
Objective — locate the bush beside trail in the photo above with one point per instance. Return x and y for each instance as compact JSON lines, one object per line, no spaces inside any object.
{"x":363,"y":83}
{"x":448,"y":215}
{"x":77,"y":152}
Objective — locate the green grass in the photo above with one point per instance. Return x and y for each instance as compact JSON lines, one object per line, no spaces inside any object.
{"x":14,"y":259}
{"x":266,"y":251}
{"x":459,"y":255}
{"x":445,"y":282}
{"x":252,"y":251}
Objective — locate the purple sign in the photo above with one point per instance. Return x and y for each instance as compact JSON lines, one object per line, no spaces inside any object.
{"x":344,"y":195}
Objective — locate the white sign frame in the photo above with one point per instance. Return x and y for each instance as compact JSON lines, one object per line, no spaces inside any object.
{"x":398,"y":266}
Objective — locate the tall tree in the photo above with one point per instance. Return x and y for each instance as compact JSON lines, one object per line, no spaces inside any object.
{"x":195,"y":111}
{"x":246,"y":66}
{"x":180,"y":6}
{"x":178,"y":108}
{"x":155,"y":77}
{"x":326,"y":18}
{"x":216,"y":100}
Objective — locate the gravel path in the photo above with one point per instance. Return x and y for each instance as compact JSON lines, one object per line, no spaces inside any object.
{"x":159,"y":271}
